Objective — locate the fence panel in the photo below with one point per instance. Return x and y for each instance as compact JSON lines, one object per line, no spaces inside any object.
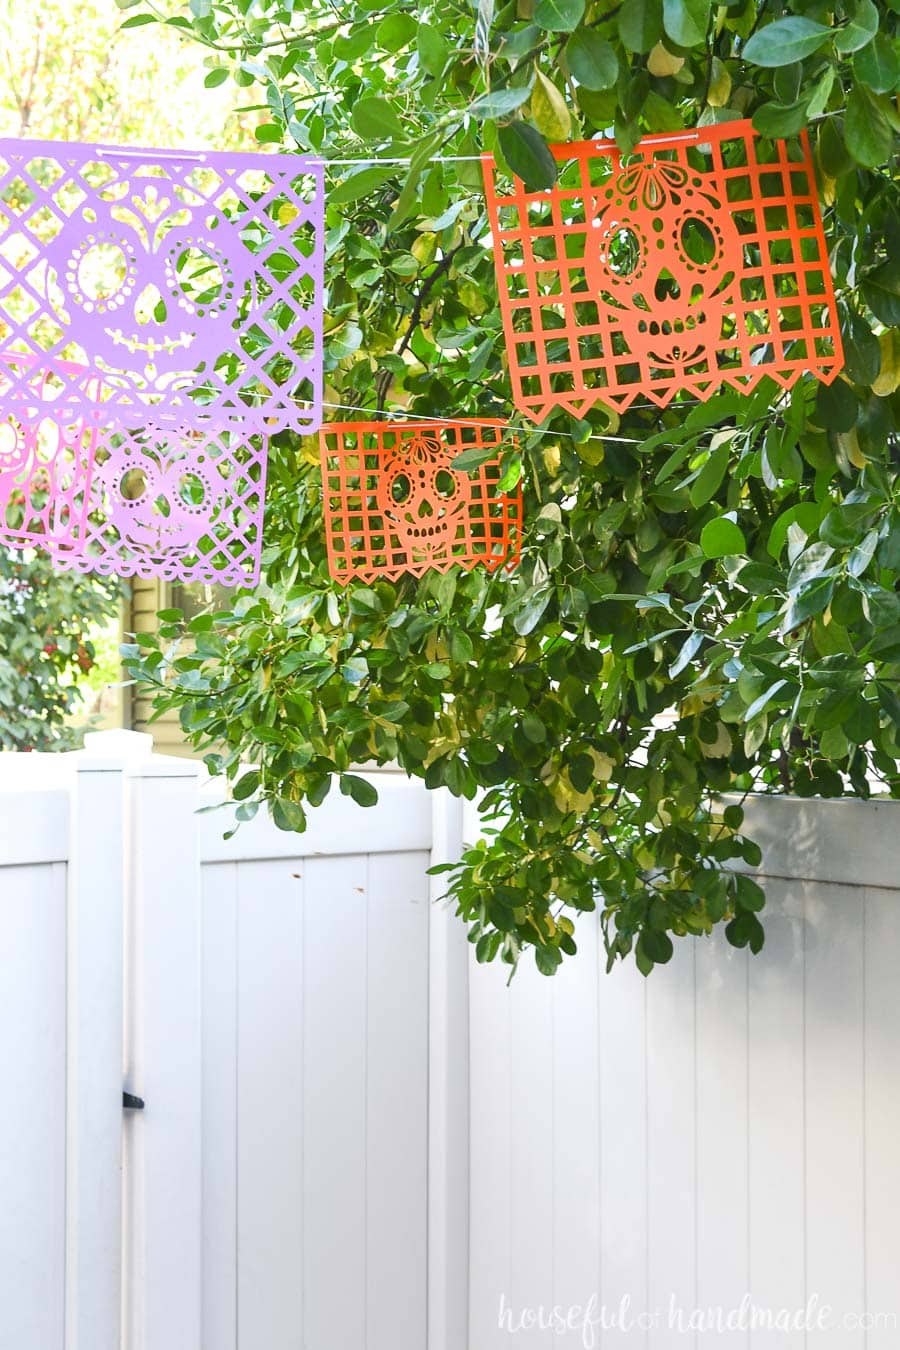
{"x":32,"y":1101}
{"x":742,"y":1186}
{"x":315,"y":1080}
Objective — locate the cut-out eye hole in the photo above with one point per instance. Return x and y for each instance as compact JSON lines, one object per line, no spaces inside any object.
{"x":191,"y":491}
{"x":133,"y":485}
{"x":102,"y":272}
{"x":699,"y":243}
{"x":401,"y":488}
{"x":622,"y":252}
{"x":445,"y":483}
{"x":200,"y":277}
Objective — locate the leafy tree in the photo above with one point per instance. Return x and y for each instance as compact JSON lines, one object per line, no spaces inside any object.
{"x":44,"y":648}
{"x":707,"y":600}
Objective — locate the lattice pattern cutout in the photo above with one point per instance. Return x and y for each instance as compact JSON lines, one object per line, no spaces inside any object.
{"x":45,"y":464}
{"x":393,"y":503}
{"x":175,"y":502}
{"x":700,"y":260}
{"x":192,"y":283}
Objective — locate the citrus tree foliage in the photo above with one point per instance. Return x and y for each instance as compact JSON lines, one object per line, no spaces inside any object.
{"x":707,"y":604}
{"x":44,"y":649}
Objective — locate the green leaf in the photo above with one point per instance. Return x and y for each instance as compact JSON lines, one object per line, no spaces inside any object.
{"x":746,"y":931}
{"x":686,"y":21}
{"x":499,"y":103}
{"x":288,"y":815}
{"x":216,"y":77}
{"x":812,"y":600}
{"x":245,"y":786}
{"x":592,"y":60}
{"x":778,"y":120}
{"x":837,"y":407}
{"x":139,"y":20}
{"x":758,"y":704}
{"x":549,"y":111}
{"x":527,"y":618}
{"x":685,"y":656}
{"x":468,"y":460}
{"x":721,"y":537}
{"x":525,"y":151}
{"x":374,"y":119}
{"x":866,"y":130}
{"x":361,"y":184}
{"x":641,"y":24}
{"x":785,"y":41}
{"x":878,"y":65}
{"x":709,"y":479}
{"x":433,"y":49}
{"x":821,"y":93}
{"x":559,"y":16}
{"x":396,"y":31}
{"x":362,"y":791}
{"x":860,"y":30}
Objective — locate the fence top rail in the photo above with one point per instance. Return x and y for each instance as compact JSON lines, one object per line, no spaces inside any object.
{"x":841,"y":840}
{"x":400,"y":822}
{"x":34,"y":824}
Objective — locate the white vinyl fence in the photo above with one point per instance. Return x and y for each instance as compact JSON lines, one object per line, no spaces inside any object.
{"x":724,"y":1135}
{"x":352,"y":1141}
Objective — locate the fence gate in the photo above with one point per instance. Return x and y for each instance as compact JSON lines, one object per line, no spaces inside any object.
{"x":291,"y":1012}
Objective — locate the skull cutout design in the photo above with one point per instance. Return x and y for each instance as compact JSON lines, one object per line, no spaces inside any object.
{"x":159,"y":505}
{"x":422,"y":499}
{"x":663,"y":254}
{"x":158,"y":294}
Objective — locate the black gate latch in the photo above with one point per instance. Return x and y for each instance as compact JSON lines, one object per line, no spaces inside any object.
{"x":132,"y":1103}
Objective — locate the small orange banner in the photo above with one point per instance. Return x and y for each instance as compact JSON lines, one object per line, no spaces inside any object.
{"x":393,"y":503}
{"x":697,"y":261}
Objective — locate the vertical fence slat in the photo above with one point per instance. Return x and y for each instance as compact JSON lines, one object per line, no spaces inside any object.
{"x":448,"y":1094}
{"x":94,"y":1059}
{"x":576,"y":1133}
{"x":671,"y":1146}
{"x":882,"y":1107}
{"x":777,"y":1228}
{"x":334,"y":1106}
{"x":270,"y":1142}
{"x":622,"y":1022}
{"x":835,"y":1202}
{"x":164,"y":1060}
{"x":397,"y":1102}
{"x":220,"y":961}
{"x":531,"y":1151}
{"x":722,"y":1181}
{"x":32,"y":1106}
{"x":490,"y":1186}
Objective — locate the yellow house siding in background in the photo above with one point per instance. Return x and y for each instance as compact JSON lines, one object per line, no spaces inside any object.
{"x":149,"y":594}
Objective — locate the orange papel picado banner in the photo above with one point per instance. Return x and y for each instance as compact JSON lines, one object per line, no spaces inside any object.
{"x":697,"y":261}
{"x":394,"y":504}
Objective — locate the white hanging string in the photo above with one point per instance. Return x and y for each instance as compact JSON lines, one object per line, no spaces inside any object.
{"x":474,"y":421}
{"x":604,"y":144}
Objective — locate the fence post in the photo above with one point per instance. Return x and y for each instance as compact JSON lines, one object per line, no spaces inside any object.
{"x":163,"y":1060}
{"x":94,"y":1018}
{"x":448,"y":1096}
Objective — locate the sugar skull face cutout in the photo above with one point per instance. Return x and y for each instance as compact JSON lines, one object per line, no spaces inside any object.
{"x":160,"y":506}
{"x":421,"y":498}
{"x":663,"y":253}
{"x":150,"y":294}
